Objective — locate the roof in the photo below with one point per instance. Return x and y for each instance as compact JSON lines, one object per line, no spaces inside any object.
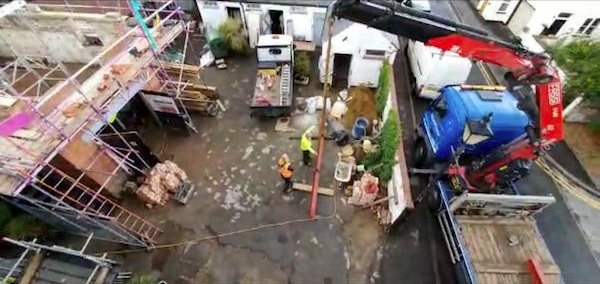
{"x":340,"y":25}
{"x":314,"y":3}
{"x":506,"y":114}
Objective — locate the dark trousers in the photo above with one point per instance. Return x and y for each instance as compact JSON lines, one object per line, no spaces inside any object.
{"x":287,"y":185}
{"x":306,"y":157}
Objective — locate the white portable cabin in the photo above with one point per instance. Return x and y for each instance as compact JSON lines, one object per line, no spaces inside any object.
{"x":432,"y":69}
{"x":357,"y":52}
{"x":302,"y":19}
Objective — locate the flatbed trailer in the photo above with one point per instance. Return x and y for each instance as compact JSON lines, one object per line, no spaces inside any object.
{"x":493,"y":238}
{"x":273,"y":93}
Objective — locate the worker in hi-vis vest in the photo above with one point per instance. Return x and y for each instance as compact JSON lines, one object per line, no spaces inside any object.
{"x":286,"y":172}
{"x":306,"y":146}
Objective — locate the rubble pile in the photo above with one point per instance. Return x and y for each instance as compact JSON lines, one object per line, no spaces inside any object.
{"x":163,"y":179}
{"x":365,"y":191}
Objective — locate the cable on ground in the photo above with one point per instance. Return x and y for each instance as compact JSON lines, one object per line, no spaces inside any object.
{"x":247,"y":230}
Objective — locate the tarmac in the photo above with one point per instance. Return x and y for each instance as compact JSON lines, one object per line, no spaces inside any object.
{"x":232,"y":161}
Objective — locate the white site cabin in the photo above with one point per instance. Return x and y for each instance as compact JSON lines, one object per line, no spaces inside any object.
{"x":302,"y":19}
{"x":357,"y":52}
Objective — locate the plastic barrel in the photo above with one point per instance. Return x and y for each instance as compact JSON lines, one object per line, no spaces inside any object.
{"x":360,"y":127}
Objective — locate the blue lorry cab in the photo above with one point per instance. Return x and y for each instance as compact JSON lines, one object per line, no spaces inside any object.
{"x":444,"y":120}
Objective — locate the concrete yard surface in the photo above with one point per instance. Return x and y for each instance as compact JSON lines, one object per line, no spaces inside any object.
{"x":232,"y":161}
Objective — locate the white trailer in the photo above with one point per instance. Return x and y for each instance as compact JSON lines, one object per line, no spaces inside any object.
{"x":433,"y":69}
{"x":273,"y":94}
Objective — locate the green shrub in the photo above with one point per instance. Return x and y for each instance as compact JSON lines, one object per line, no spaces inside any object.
{"x":381,"y":162}
{"x":383,"y":86}
{"x":144,"y":279}
{"x":302,"y":64}
{"x":24,"y":226}
{"x":233,"y":33}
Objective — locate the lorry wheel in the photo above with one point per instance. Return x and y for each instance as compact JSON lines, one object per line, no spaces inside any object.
{"x":419,"y":153}
{"x":434,"y":201}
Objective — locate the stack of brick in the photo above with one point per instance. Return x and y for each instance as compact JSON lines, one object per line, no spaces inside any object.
{"x":162,"y":180}
{"x":364,"y":191}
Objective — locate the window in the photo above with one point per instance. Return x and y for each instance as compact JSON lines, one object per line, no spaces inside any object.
{"x":440,"y":107}
{"x":503,"y":7}
{"x":275,"y":51}
{"x":298,"y":10}
{"x":564,"y":15}
{"x":253,"y":7}
{"x":374,"y":53}
{"x":210,"y":5}
{"x":92,"y":40}
{"x":588,"y":26}
{"x":558,"y":23}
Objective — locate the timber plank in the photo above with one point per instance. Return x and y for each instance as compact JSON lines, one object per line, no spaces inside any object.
{"x":308,"y":188}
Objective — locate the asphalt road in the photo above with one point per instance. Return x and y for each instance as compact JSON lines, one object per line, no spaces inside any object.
{"x":414,"y":251}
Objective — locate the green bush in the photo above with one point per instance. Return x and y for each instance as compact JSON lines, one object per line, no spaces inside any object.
{"x":144,"y":279}
{"x":234,"y":35}
{"x":383,"y":86}
{"x":580,"y":60}
{"x":381,"y":162}
{"x":24,"y":226}
{"x":302,"y":64}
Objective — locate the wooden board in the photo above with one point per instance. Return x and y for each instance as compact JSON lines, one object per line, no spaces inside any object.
{"x":495,"y":260}
{"x":308,"y":188}
{"x":172,"y":66}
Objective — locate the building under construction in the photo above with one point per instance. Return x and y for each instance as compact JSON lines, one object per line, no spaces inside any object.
{"x":65,"y":71}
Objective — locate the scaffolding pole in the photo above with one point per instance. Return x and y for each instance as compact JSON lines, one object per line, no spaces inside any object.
{"x":59,"y":136}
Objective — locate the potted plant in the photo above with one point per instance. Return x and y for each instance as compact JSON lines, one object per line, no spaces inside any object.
{"x":234,"y":36}
{"x":302,"y":68}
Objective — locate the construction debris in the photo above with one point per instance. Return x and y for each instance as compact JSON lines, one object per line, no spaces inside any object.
{"x":364,"y":191}
{"x":221,"y":64}
{"x":163,"y":179}
{"x":361,"y":103}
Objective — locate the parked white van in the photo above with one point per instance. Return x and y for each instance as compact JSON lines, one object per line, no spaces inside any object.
{"x":432,"y":69}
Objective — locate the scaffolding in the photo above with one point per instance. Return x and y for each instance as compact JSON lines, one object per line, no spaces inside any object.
{"x":50,"y":106}
{"x":40,"y":263}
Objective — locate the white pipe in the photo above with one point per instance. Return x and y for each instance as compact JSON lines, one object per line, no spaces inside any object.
{"x":572,"y":106}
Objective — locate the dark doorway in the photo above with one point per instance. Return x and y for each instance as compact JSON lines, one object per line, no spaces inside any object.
{"x":554,"y":28}
{"x":276,"y":22}
{"x":234,"y":13}
{"x":136,"y":141}
{"x":341,"y":69}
